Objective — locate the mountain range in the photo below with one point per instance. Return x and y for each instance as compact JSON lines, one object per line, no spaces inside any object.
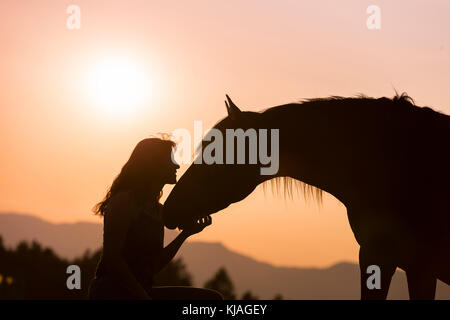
{"x":203,"y":259}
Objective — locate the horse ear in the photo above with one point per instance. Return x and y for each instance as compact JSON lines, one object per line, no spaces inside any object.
{"x":233,"y":110}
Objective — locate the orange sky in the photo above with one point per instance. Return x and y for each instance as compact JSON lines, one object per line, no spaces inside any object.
{"x":61,"y":150}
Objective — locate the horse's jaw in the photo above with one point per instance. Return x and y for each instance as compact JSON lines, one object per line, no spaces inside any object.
{"x":179,"y":216}
{"x":171,"y":214}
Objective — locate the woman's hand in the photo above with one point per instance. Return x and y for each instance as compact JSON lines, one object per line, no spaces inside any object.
{"x":198,"y":226}
{"x":170,"y":251}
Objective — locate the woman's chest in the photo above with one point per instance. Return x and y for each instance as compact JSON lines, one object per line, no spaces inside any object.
{"x":147,"y":230}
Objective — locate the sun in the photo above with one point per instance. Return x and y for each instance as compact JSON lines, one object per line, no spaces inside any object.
{"x":118,"y":86}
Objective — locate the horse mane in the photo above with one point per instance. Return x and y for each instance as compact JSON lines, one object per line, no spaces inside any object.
{"x":398,"y":99}
{"x":289,"y":186}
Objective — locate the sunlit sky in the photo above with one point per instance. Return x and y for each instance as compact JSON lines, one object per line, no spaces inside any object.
{"x":64,"y":138}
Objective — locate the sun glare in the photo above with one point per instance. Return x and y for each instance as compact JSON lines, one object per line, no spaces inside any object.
{"x":118,"y":86}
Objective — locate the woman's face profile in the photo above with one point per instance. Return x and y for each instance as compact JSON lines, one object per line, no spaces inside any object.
{"x":170,"y":170}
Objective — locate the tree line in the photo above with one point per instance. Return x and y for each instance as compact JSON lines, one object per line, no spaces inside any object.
{"x":30,"y":271}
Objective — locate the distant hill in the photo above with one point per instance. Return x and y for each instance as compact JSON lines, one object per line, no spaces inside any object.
{"x":203,"y":259}
{"x":340,"y":281}
{"x":68,"y":240}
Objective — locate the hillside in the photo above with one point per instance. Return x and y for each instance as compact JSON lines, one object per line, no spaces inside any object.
{"x":203,"y":259}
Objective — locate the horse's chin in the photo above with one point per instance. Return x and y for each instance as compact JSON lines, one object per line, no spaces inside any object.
{"x":170,"y":226}
{"x":183,"y":222}
{"x":170,"y":222}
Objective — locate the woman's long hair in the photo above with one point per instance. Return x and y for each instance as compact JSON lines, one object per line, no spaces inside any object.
{"x":143,"y":166}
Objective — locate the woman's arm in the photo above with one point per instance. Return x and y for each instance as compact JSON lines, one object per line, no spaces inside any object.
{"x":117,"y":221}
{"x":171,"y":250}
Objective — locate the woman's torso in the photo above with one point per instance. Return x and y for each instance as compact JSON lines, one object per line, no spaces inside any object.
{"x":143,"y":246}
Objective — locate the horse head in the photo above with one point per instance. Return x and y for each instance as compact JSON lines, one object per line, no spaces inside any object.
{"x":224,"y":171}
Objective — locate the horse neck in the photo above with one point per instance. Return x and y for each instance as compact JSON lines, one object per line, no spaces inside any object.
{"x":311,"y":145}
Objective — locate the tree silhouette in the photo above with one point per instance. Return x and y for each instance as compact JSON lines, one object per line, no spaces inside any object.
{"x":248,"y":295}
{"x":32,"y":272}
{"x":174,"y":274}
{"x":221,"y":282}
{"x":88,"y":265}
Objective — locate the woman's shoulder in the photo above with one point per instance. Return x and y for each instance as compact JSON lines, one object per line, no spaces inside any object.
{"x":123,"y":201}
{"x":155,"y":210}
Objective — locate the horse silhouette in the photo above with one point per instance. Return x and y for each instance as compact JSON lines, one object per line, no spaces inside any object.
{"x":387,"y":160}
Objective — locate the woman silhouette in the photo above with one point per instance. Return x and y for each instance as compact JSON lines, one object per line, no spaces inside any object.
{"x":133,"y":231}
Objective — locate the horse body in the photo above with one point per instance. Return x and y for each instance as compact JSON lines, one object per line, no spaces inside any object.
{"x":385,"y":160}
